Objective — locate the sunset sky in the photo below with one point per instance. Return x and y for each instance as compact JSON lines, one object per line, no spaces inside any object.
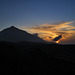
{"x":48,"y":18}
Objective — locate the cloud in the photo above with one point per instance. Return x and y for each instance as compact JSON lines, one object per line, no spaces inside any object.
{"x":67,"y":29}
{"x":72,"y":29}
{"x":69,"y":40}
{"x":57,"y":38}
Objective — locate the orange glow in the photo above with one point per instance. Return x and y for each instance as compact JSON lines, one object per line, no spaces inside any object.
{"x":54,"y":36}
{"x":45,"y":31}
{"x":47,"y":39}
{"x":57,"y":41}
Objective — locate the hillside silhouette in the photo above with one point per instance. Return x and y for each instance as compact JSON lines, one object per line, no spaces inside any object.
{"x":14,"y":34}
{"x":24,"y":54}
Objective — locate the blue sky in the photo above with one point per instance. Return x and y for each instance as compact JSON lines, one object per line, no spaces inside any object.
{"x":35,"y":12}
{"x":59,"y":15}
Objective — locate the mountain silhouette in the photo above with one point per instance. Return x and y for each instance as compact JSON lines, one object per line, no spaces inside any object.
{"x":14,"y":34}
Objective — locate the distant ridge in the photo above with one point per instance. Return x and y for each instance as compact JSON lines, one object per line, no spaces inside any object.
{"x":14,"y":34}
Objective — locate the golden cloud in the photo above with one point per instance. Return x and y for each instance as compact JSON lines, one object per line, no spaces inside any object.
{"x":66,"y":29}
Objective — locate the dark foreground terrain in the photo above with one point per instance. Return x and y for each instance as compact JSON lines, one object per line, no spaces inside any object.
{"x":24,"y":58}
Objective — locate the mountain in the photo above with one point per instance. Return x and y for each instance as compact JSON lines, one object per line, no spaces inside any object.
{"x":14,"y":34}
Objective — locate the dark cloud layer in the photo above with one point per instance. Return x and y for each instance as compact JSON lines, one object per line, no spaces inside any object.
{"x":57,"y":38}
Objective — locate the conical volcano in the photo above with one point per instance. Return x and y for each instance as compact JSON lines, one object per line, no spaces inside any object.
{"x":14,"y":34}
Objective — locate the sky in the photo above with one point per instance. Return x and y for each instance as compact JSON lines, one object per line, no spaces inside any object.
{"x":48,"y":18}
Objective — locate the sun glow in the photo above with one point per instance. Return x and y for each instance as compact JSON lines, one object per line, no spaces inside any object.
{"x":50,"y":31}
{"x":57,"y":41}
